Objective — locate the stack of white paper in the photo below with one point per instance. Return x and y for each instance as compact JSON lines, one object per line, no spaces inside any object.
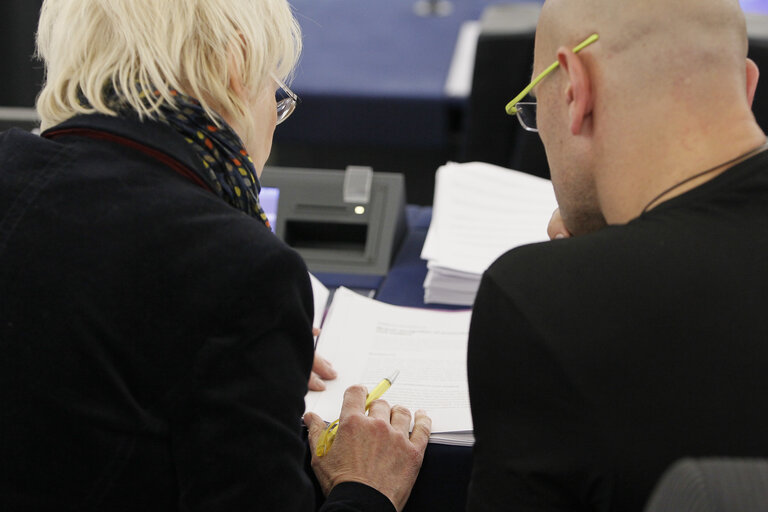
{"x":479,"y":212}
{"x":367,"y":340}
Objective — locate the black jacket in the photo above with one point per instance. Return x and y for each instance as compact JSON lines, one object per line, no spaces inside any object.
{"x":596,"y":362}
{"x":155,"y":343}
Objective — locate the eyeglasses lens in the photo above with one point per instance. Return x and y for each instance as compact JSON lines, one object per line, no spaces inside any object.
{"x":526,"y":113}
{"x":286,"y":104}
{"x":285,"y":108}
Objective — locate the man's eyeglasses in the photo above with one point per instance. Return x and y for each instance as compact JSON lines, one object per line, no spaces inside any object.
{"x":526,"y":111}
{"x":286,"y":100}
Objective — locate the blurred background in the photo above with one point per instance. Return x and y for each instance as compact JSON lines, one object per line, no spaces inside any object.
{"x":399,"y":85}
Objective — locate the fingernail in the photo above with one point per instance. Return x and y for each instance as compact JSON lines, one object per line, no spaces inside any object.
{"x":559,"y":235}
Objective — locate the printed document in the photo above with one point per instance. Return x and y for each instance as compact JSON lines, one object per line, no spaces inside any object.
{"x":367,"y":340}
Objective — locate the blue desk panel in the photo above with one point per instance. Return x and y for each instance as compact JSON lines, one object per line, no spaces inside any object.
{"x":374,"y":72}
{"x":375,"y":49}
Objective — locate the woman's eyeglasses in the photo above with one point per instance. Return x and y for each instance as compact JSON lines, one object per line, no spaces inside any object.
{"x":286,"y":100}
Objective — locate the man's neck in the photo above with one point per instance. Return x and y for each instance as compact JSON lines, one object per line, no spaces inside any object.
{"x":634,"y":182}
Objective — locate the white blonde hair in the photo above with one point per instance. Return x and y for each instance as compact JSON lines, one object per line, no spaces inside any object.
{"x":134,"y":45}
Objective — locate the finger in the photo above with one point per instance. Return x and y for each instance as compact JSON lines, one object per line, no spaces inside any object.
{"x":354,"y":401}
{"x":379,"y":409}
{"x":323,"y":368}
{"x":422,"y":427}
{"x":315,"y":382}
{"x":556,"y":227}
{"x":556,"y":234}
{"x":400,"y":418}
{"x":315,"y":426}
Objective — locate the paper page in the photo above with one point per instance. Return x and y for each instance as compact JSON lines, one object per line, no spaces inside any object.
{"x":481,"y":211}
{"x":320,"y":294}
{"x":453,"y":438}
{"x":367,"y":340}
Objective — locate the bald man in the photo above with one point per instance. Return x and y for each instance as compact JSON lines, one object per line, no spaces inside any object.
{"x":639,"y":336}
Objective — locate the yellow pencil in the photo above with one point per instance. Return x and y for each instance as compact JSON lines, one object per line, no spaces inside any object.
{"x":326,"y":438}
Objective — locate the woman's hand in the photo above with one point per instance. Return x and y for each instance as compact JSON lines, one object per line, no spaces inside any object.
{"x":376,"y":449}
{"x":321,"y":370}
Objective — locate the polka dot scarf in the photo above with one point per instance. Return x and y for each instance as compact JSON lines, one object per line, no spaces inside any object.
{"x":224,"y":157}
{"x":228,"y":166}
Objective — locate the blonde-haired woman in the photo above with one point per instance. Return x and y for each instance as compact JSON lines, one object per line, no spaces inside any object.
{"x":155,"y":337}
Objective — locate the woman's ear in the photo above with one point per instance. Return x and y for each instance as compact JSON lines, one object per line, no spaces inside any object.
{"x":236,"y":83}
{"x":753,"y":75}
{"x":578,"y":91}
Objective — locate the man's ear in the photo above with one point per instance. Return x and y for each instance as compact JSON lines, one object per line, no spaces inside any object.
{"x":753,"y":74}
{"x":578,"y":91}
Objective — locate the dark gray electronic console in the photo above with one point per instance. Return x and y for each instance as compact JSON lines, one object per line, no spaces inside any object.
{"x":19,"y":117}
{"x":341,"y":222}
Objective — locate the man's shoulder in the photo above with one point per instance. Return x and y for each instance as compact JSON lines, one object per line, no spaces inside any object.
{"x":582,"y":278}
{"x":585,"y":257}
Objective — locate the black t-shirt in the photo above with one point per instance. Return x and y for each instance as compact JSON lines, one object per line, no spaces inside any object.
{"x":596,"y":362}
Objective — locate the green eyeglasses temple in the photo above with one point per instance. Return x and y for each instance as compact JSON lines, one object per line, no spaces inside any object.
{"x":512,"y":109}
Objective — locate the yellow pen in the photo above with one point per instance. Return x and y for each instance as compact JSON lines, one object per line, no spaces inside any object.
{"x":326,"y":438}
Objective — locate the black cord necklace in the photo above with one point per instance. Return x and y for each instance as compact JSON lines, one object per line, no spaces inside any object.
{"x":702,"y":173}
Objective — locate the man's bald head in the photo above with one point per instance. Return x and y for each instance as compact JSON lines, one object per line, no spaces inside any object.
{"x":628,"y":22}
{"x":649,"y":42}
